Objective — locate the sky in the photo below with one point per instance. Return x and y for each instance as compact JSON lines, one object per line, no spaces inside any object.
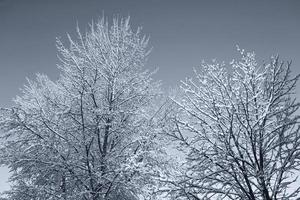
{"x":182,"y":34}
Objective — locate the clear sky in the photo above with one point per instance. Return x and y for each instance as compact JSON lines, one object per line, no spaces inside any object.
{"x":183,"y":33}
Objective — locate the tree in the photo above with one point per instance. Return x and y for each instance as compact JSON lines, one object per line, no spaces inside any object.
{"x":241,"y":130}
{"x":90,"y":134}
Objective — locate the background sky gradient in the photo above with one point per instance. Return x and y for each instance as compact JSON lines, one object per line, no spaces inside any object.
{"x":182,"y":33}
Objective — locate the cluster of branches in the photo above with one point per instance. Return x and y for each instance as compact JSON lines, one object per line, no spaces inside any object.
{"x":100,"y":132}
{"x":89,"y":135}
{"x":240,"y":128}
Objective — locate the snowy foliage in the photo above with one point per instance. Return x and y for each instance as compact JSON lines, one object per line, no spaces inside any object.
{"x":103,"y":132}
{"x":241,"y":130}
{"x":90,"y":134}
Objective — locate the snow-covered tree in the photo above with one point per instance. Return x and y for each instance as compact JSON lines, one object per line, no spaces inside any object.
{"x":90,"y":134}
{"x":240,"y":127}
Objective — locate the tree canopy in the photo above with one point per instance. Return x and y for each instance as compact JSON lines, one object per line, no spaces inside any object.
{"x":104,"y":130}
{"x":88,"y":135}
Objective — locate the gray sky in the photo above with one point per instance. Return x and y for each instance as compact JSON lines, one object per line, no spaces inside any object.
{"x":182,"y":34}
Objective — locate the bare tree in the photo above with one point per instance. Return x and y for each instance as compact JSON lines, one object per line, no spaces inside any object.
{"x":241,"y":130}
{"x":89,"y":135}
